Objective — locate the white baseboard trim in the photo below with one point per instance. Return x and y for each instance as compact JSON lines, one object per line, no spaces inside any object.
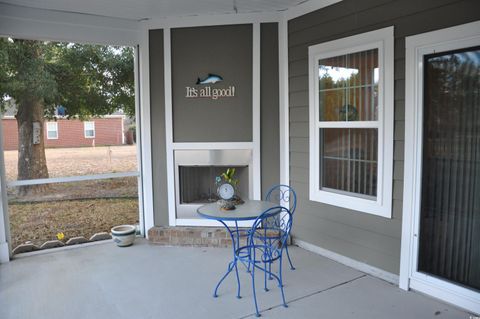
{"x":368,"y":269}
{"x":4,"y":253}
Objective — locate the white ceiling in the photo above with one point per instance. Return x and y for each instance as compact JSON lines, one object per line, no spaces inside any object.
{"x":148,"y":9}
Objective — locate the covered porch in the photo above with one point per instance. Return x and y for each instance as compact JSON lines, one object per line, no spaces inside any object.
{"x":151,"y":281}
{"x":324,"y":96}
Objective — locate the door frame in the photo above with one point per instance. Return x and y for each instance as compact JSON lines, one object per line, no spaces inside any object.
{"x":417,"y":46}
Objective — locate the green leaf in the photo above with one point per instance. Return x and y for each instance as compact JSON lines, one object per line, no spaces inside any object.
{"x":88,"y":80}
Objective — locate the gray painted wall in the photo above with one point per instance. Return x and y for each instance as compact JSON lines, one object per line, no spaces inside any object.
{"x":157,"y":113}
{"x":221,"y":50}
{"x":269,"y":114}
{"x":270,"y":159}
{"x":363,"y":237}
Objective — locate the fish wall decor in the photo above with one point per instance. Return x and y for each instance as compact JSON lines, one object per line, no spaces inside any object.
{"x":210,"y":79}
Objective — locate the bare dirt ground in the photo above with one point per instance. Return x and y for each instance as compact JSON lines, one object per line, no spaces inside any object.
{"x":80,"y":161}
{"x":75,"y":208}
{"x":102,"y":188}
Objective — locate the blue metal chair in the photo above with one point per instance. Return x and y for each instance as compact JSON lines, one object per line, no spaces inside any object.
{"x":261,"y":253}
{"x":284,"y":195}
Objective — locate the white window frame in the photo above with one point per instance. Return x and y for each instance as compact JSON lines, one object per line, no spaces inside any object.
{"x":85,"y":129}
{"x":48,"y":130}
{"x":382,"y":40}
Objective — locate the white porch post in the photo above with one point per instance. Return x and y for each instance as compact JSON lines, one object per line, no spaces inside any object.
{"x":283,"y":101}
{"x":167,"y":64}
{"x":4,"y":225}
{"x":145,"y":127}
{"x":256,"y":191}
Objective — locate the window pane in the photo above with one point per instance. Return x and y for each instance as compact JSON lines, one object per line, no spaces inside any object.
{"x":51,"y":126}
{"x":52,"y":134}
{"x":349,"y":160}
{"x":89,"y":129}
{"x":348,"y":87}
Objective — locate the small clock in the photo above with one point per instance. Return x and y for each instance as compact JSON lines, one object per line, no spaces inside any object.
{"x":226,"y":191}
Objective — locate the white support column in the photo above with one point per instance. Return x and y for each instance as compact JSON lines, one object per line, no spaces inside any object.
{"x":167,"y":61}
{"x":284,"y":101}
{"x":4,"y":224}
{"x":256,"y":113}
{"x":139,"y":148}
{"x":143,"y":121}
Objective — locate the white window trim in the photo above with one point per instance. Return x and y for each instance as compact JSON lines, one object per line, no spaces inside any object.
{"x":85,"y":129}
{"x":382,"y":40}
{"x":56,"y":130}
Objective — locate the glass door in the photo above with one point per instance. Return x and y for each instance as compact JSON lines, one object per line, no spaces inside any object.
{"x":449,"y":221}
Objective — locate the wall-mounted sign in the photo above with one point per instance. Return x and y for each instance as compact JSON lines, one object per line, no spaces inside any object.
{"x":203,"y":90}
{"x":211,"y":78}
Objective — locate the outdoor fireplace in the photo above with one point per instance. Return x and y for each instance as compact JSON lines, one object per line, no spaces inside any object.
{"x":195,"y":174}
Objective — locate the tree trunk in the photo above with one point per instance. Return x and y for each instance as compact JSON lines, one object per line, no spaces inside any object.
{"x":32,"y":163}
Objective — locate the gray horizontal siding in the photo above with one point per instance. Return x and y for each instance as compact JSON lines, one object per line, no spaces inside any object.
{"x":364,"y":237}
{"x":269,"y":111}
{"x":371,"y":227}
{"x":317,"y":235}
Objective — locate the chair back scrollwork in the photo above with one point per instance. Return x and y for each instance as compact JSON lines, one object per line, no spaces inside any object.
{"x":269,"y":234}
{"x":283,"y":195}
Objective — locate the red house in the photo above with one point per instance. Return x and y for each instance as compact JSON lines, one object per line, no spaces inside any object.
{"x":107,"y":130}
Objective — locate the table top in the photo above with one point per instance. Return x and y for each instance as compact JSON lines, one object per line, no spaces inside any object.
{"x":249,"y":210}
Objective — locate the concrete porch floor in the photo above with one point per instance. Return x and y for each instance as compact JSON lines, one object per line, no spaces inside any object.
{"x":148,"y":281}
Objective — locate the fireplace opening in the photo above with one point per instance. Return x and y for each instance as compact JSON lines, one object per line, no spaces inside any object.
{"x":197,"y":183}
{"x":195,"y":177}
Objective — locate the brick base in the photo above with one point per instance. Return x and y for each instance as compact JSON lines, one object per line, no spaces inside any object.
{"x":190,"y":236}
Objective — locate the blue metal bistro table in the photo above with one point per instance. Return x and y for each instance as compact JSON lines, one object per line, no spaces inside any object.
{"x":250,"y":210}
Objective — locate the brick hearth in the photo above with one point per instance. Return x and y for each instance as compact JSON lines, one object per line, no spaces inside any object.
{"x":190,"y":236}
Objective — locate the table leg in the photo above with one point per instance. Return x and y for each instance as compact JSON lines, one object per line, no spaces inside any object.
{"x":233,"y":263}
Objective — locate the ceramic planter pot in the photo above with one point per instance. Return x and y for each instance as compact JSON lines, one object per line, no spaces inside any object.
{"x":124,"y":235}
